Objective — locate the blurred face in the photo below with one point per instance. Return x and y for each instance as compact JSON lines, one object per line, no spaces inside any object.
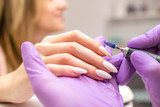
{"x":50,"y":17}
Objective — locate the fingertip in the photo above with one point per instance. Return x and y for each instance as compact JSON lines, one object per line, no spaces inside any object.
{"x":26,"y":45}
{"x":32,"y":60}
{"x":142,"y":60}
{"x":125,"y":73}
{"x":138,"y":42}
{"x":138,"y":57}
{"x":102,"y":74}
{"x":28,"y":50}
{"x":79,"y":70}
{"x":144,"y":64}
{"x":146,"y":40}
{"x":66,"y":70}
{"x":116,"y":60}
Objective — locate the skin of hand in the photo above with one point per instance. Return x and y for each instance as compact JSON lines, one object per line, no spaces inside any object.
{"x":75,"y":50}
{"x":70,"y":54}
{"x":147,"y":67}
{"x":66,"y":91}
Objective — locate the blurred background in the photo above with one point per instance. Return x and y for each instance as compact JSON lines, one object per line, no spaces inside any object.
{"x":118,"y":21}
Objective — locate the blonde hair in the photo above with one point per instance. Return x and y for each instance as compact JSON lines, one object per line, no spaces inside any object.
{"x":17,"y":20}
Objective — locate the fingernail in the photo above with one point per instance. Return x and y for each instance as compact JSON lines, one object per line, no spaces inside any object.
{"x":79,"y":70}
{"x":104,"y":51}
{"x":103,"y":74}
{"x":110,"y":67}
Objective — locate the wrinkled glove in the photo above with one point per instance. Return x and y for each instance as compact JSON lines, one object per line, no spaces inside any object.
{"x":55,"y":91}
{"x":147,"y":67}
{"x":122,"y":65}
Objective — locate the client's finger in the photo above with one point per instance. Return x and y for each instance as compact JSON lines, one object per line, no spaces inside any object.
{"x":79,"y":52}
{"x":67,"y":59}
{"x":33,"y":63}
{"x":79,"y":37}
{"x":65,"y":70}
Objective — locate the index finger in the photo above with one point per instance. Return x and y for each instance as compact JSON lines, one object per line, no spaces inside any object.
{"x":147,"y":40}
{"x":79,"y":37}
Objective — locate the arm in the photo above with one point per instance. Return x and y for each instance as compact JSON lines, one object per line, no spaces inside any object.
{"x":3,"y":67}
{"x":15,"y":87}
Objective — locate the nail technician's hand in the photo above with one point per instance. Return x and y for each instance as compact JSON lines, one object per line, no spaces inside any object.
{"x":65,"y":91}
{"x":122,"y":65}
{"x":73,"y":53}
{"x":113,"y":81}
{"x":147,"y":67}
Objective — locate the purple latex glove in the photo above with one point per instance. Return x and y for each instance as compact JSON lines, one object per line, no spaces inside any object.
{"x":101,"y":40}
{"x":122,"y":64}
{"x":147,"y":67}
{"x":66,"y":91}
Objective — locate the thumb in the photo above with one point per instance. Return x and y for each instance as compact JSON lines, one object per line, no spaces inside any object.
{"x":33,"y":63}
{"x":41,"y":78}
{"x":125,"y":68}
{"x":145,"y":65}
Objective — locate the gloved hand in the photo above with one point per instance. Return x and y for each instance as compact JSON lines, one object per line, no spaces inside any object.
{"x":147,"y":67}
{"x":113,"y":81}
{"x":66,"y":91}
{"x":122,"y":65}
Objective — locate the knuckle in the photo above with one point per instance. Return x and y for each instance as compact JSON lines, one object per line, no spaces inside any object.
{"x":73,"y":45}
{"x":75,"y":33}
{"x":65,"y":57}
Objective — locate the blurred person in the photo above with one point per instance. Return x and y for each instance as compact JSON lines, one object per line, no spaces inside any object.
{"x":67,"y":54}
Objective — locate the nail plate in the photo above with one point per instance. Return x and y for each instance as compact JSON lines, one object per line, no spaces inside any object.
{"x":103,"y":74}
{"x":104,"y":51}
{"x":79,"y":70}
{"x":109,"y":67}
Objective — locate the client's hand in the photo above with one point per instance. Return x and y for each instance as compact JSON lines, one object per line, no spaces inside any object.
{"x":64,"y":91}
{"x":74,"y":53}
